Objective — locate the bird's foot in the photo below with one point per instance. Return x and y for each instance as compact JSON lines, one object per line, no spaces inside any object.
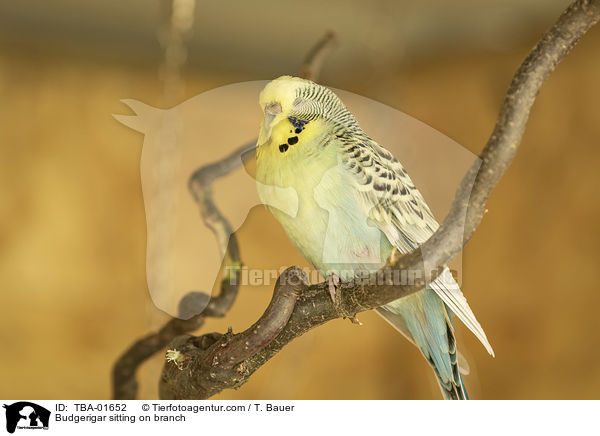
{"x":334,"y":283}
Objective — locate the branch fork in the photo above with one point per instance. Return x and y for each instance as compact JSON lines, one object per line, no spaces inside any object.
{"x":217,"y":360}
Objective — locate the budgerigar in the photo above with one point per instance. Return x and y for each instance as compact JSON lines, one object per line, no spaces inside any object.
{"x":355,"y":203}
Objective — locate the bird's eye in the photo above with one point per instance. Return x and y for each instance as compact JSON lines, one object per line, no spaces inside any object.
{"x":273,"y":108}
{"x":297,"y":102}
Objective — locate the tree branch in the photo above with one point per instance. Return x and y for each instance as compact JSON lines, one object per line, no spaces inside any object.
{"x":311,"y":67}
{"x":204,"y":365}
{"x":313,"y":306}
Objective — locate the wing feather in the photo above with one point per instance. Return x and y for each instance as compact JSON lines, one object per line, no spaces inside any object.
{"x":399,"y":210}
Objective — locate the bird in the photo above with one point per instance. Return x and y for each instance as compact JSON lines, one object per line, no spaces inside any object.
{"x":356,"y":204}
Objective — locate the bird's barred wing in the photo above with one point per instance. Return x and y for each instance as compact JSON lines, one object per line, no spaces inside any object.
{"x":389,"y":196}
{"x":398,"y":209}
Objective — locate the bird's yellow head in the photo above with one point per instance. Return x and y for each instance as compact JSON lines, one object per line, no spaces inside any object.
{"x":278,"y":100}
{"x":294,"y":111}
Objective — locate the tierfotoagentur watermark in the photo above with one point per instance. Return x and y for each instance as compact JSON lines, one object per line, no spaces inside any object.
{"x":387,"y":276}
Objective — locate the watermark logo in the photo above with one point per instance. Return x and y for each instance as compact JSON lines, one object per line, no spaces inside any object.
{"x":363,"y":277}
{"x":25,"y":415}
{"x":184,"y":261}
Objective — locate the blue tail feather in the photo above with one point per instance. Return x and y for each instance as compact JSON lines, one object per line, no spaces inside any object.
{"x":427,"y":321}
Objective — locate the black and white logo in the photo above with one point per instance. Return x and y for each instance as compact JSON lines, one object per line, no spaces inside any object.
{"x":26,"y":415}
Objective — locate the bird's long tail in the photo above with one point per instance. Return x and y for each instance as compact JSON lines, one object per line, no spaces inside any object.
{"x":427,"y":322}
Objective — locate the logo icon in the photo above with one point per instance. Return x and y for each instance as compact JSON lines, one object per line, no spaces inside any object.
{"x":26,"y":415}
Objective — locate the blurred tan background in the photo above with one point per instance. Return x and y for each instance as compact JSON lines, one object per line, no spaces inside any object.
{"x":72,"y":225}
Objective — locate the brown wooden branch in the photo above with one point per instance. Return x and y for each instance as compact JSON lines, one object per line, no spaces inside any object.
{"x":203,"y":366}
{"x":124,"y":383}
{"x":313,"y":306}
{"x":196,"y":306}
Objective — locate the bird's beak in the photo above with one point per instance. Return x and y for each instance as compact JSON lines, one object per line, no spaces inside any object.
{"x":265,"y":128}
{"x":271,"y":111}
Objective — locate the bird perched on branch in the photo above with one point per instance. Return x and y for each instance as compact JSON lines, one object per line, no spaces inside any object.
{"x":355,"y":205}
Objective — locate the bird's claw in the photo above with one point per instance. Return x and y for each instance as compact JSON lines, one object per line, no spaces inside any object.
{"x":334,"y":282}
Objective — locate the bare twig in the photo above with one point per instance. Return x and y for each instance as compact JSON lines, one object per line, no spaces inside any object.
{"x":125,"y":385}
{"x":313,"y":306}
{"x":200,"y":186}
{"x":311,"y":67}
{"x":177,"y":21}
